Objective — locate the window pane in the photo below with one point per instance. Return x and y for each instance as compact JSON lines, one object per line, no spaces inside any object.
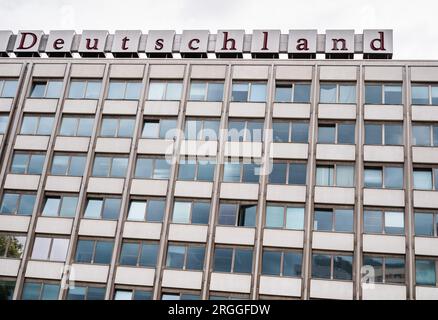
{"x":297,"y":173}
{"x":60,"y":165}
{"x":300,"y":132}
{"x":327,"y":93}
{"x":280,"y":131}
{"x":373,"y":94}
{"x":236,"y":130}
{"x":54,"y":89}
{"x":68,"y":206}
{"x":116,"y":90}
{"x":129,"y":254}
{"x":422,"y":179}
{"x":38,"y":89}
{"x":271,"y":262}
{"x":162,"y":169}
{"x":41,"y":248}
{"x":9,"y":203}
{"x":173,"y":91}
{"x":344,"y":176}
{"x":181,"y":212}
{"x":156,"y":90}
{"x":434,"y":93}
{"x":59,"y":248}
{"x":84,"y":251}
{"x":324,"y":175}
{"x":346,"y":133}
{"x":254,"y":131}
{"x":323,"y":220}
{"x":142,"y":295}
{"x":85,"y":127}
{"x":187,"y":169}
{"x":292,"y":264}
{"x":423,"y":224}
{"x":326,"y":133}
{"x":373,"y":221}
{"x":394,"y":222}
{"x":155,"y":210}
{"x":133,"y":90}
{"x":200,"y":212}
{"x":247,"y":215}
{"x":274,"y":217}
{"x":342,"y":267}
{"x":93,"y":90}
{"x":227,"y":214}
{"x":344,"y":220}
{"x":372,"y":178}
{"x":393,"y":177}
{"x":295,"y":218}
{"x":101,"y":166}
{"x":242,"y":261}
{"x":19,"y":163}
{"x":376,"y":263}
{"x":278,"y":173}
{"x":137,"y":210}
{"x":9,"y":88}
{"x":150,"y":129}
{"x":395,"y":270}
{"x":210,"y":131}
{"x":31,"y":291}
{"x":393,"y":134}
{"x":197,"y":91}
{"x":68,"y":126}
{"x":347,"y":93}
{"x":109,"y":127}
{"x":425,"y":273}
{"x":123,"y":295}
{"x":96,"y":293}
{"x":45,"y":126}
{"x":50,"y":292}
{"x":420,"y":95}
{"x":301,"y":93}
{"x":321,"y":266}
{"x":111,"y":209}
{"x":393,"y":94}
{"x":421,"y":135}
{"x":36,"y":164}
{"x":26,"y":205}
{"x":195,"y":258}
{"x":126,"y":128}
{"x":215,"y":92}
{"x":240,"y":92}
{"x":149,"y":253}
{"x":51,"y":207}
{"x":94,"y":209}
{"x":283,"y":93}
{"x":222,"y":259}
{"x":251,"y":172}
{"x":3,"y":123}
{"x":77,"y":293}
{"x":143,"y":168}
{"x":205,"y":170}
{"x":29,"y":125}
{"x":77,"y":89}
{"x":373,"y":134}
{"x":77,"y":165}
{"x":119,"y":167}
{"x":232,"y":172}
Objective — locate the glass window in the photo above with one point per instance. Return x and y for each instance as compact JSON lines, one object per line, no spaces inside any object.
{"x":324,"y":175}
{"x":21,"y":204}
{"x":40,"y":291}
{"x":327,"y":93}
{"x":222,"y":259}
{"x":424,"y":224}
{"x":393,"y":177}
{"x":394,"y":270}
{"x":347,"y":93}
{"x":297,"y":173}
{"x":295,"y":218}
{"x":300,"y":132}
{"x":200,"y":212}
{"x":133,"y":90}
{"x":342,"y":267}
{"x":271,"y":262}
{"x":373,"y":221}
{"x":283,"y":92}
{"x":393,"y":94}
{"x":181,"y":212}
{"x":373,"y":134}
{"x":346,"y":133}
{"x":3,"y":123}
{"x":434,"y":94}
{"x":175,"y":256}
{"x":420,"y":94}
{"x":323,"y":220}
{"x":274,"y":217}
{"x":321,"y":266}
{"x":258,"y":92}
{"x":422,"y":179}
{"x":129,"y":254}
{"x":232,"y":172}
{"x":173,"y":91}
{"x":394,"y":222}
{"x":227,"y":214}
{"x":240,"y":92}
{"x":292,"y":263}
{"x":6,"y":289}
{"x":9,"y":88}
{"x":54,"y":89}
{"x":155,"y":210}
{"x":373,"y":94}
{"x":278,"y":173}
{"x":38,"y":89}
{"x":343,"y":220}
{"x":326,"y":134}
{"x":301,"y":93}
{"x":344,"y":176}
{"x":393,"y":134}
{"x":242,"y":261}
{"x":425,"y":272}
{"x":280,"y":131}
{"x":373,"y":178}
{"x":215,"y":91}
{"x":421,"y":135}
{"x":156,"y":90}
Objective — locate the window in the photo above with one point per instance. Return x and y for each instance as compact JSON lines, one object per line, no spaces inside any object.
{"x":284,"y":217}
{"x":340,"y":133}
{"x":251,"y":131}
{"x":7,"y":288}
{"x":424,"y":94}
{"x":425,"y":272}
{"x":378,"y":93}
{"x":237,"y":214}
{"x":384,"y":222}
{"x":337,"y":93}
{"x":425,"y":135}
{"x":165,"y":90}
{"x":333,"y":220}
{"x":11,"y":246}
{"x":185,"y":257}
{"x":241,"y":171}
{"x":51,"y":249}
{"x":196,"y":169}
{"x":60,"y":206}
{"x":76,"y":126}
{"x":117,"y":127}
{"x":86,"y":293}
{"x":159,"y":129}
{"x":152,"y":168}
{"x":103,"y":208}
{"x":332,"y":266}
{"x":8,"y":88}
{"x":180,"y":296}
{"x":40,"y":291}
{"x":201,"y":130}
{"x":94,"y":251}
{"x":288,"y":173}
{"x":292,"y":92}
{"x":84,"y":89}
{"x":282,"y":263}
{"x":426,"y":224}
{"x":383,"y":177}
{"x":386,"y":269}
{"x":291,"y":131}
{"x":27,"y":163}
{"x":46,"y":89}
{"x":124,"y":90}
{"x":194,"y":212}
{"x":150,"y":210}
{"x":37,"y":125}
{"x":107,"y":166}
{"x":206,"y":91}
{"x":142,"y":253}
{"x":384,"y":134}
{"x":4,"y":120}
{"x":135,"y":294}
{"x":335,"y":175}
{"x":17,"y":203}
{"x":236,"y":260}
{"x":68,"y":165}
{"x":248,"y":92}
{"x":425,"y":178}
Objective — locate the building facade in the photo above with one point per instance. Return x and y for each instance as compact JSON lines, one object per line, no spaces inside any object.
{"x":218,"y":179}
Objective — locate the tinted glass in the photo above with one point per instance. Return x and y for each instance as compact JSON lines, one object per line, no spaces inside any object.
{"x":420,"y":94}
{"x":301,"y":93}
{"x":278,"y":173}
{"x":222,"y":259}
{"x":421,"y":135}
{"x":327,"y":93}
{"x":280,"y":131}
{"x":195,"y":258}
{"x":373,"y":134}
{"x":104,"y":252}
{"x":424,"y":224}
{"x":283,"y":93}
{"x":346,"y":133}
{"x":240,"y":92}
{"x":347,"y":93}
{"x":425,"y":273}
{"x":242,"y":261}
{"x":344,"y":220}
{"x":300,"y":132}
{"x":271,"y":262}
{"x":326,"y":133}
{"x":393,"y":94}
{"x":323,"y":220}
{"x":129,"y":254}
{"x":227,"y":214}
{"x":373,"y":94}
{"x":394,"y":134}
{"x":297,"y":173}
{"x":215,"y":91}
{"x":200,"y":212}
{"x":393,"y":177}
{"x":373,"y":221}
{"x":342,"y":267}
{"x":372,"y":178}
{"x":321,"y":266}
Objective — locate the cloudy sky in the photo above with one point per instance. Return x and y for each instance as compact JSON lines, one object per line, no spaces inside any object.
{"x":415,"y":23}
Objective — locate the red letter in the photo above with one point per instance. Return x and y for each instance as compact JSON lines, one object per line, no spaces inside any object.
{"x":336,"y":42}
{"x":302,"y":45}
{"x":159,"y":44}
{"x":265,"y":41}
{"x":124,"y":40}
{"x":226,"y":40}
{"x":381,"y":41}
{"x":58,"y":44}
{"x":23,"y":39}
{"x":191,"y":47}
{"x":88,"y":46}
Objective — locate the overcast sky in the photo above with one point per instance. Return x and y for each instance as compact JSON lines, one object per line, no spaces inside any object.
{"x":415,"y":23}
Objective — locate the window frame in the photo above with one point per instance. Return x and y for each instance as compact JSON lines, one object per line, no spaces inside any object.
{"x":290,"y":130}
{"x":37,"y":128}
{"x":154,"y":159}
{"x":292,"y":87}
{"x":282,"y":252}
{"x":46,"y":86}
{"x":70,"y":158}
{"x":159,"y":121}
{"x":384,"y":257}
{"x":382,"y":97}
{"x":332,"y":255}
{"x":18,"y":203}
{"x":186,"y":247}
{"x":140,"y":244}
{"x":338,"y":91}
{"x":50,"y":248}
{"x":382,"y":220}
{"x":246,"y":131}
{"x":383,"y":132}
{"x":335,"y":174}
{"x":233,"y":257}
{"x":8,"y":235}
{"x":2,"y":86}
{"x":190,"y":217}
{"x":197,"y":164}
{"x":429,"y":90}
{"x":118,"y":120}
{"x":434,"y":215}
{"x":86,"y":81}
{"x":333,"y":210}
{"x":207,"y":83}
{"x":336,"y":125}
{"x":382,"y":167}
{"x":103,"y":200}
{"x":288,"y":164}
{"x":232,"y":160}
{"x":166,"y":85}
{"x":125,"y":85}
{"x":250,"y":83}
{"x":93,"y":255}
{"x":109,"y":174}
{"x":78,"y":119}
{"x":285,"y":207}
{"x":29,"y":155}
{"x":146,"y":200}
